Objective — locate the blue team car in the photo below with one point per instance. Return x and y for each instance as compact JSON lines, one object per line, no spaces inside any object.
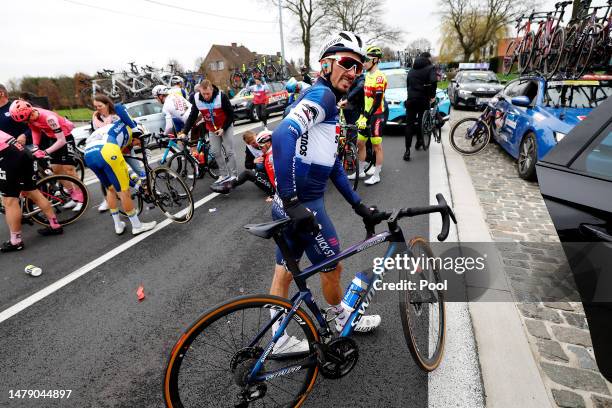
{"x":533,"y":114}
{"x":396,"y":94}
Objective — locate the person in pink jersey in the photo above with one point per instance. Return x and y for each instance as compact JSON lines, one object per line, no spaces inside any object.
{"x":17,"y":177}
{"x":51,"y":134}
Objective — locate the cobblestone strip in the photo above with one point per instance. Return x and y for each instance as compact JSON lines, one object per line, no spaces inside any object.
{"x":558,"y":332}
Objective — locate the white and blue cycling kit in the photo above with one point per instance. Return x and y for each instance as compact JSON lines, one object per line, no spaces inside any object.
{"x":305,"y":148}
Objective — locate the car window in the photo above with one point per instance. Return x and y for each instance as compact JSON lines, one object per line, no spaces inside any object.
{"x":396,"y":81}
{"x":155,"y":108}
{"x":273,"y":86}
{"x":572,"y":96}
{"x":137,"y":111}
{"x":515,"y":88}
{"x":596,"y":160}
{"x":476,"y":76}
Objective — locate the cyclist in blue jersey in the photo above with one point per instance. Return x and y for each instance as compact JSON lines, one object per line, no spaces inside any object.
{"x":304,"y":147}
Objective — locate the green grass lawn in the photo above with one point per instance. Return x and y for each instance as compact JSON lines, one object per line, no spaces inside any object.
{"x":78,"y":114}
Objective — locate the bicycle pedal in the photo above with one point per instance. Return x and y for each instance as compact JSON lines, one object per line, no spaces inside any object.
{"x":330,"y":314}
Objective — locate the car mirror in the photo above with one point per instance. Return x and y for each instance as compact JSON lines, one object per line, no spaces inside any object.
{"x":521,"y":101}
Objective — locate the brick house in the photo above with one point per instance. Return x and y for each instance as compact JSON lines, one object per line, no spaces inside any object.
{"x":221,"y":61}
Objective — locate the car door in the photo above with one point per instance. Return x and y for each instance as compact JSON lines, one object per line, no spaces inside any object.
{"x":452,"y":88}
{"x":503,"y":130}
{"x":575,"y":179}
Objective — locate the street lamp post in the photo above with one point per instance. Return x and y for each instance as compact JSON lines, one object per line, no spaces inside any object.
{"x":282,"y":39}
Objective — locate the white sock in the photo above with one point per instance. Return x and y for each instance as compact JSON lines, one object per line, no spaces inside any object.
{"x":115,"y":214}
{"x":134,"y":220}
{"x":362,"y":166}
{"x":377,"y":170}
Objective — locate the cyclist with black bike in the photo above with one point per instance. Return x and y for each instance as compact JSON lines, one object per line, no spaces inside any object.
{"x":104,"y":157}
{"x":421,"y":83}
{"x":17,"y":176}
{"x":304,"y":150}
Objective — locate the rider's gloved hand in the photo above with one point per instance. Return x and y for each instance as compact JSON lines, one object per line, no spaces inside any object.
{"x":304,"y":220}
{"x":368,"y":214}
{"x":40,"y":154}
{"x":362,"y":122}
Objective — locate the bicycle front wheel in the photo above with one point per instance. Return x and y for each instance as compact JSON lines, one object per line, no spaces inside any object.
{"x":209,"y":365}
{"x":470,"y":136}
{"x":422,"y":310}
{"x":59,"y":189}
{"x":172,"y":195}
{"x":185,"y":167}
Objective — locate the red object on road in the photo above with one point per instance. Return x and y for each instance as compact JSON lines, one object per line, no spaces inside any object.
{"x":140,"y":293}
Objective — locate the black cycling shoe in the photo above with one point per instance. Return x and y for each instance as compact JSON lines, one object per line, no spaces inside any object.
{"x":407,"y":156}
{"x":8,"y":247}
{"x":51,"y":231}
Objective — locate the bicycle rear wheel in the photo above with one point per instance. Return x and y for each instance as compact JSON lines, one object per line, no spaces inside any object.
{"x":470,"y":136}
{"x":185,"y":167}
{"x":79,"y":167}
{"x":55,"y":189}
{"x":350,"y":162}
{"x":526,"y":52}
{"x":172,"y":195}
{"x":422,"y":310}
{"x":427,"y":128}
{"x":209,"y":364}
{"x":555,"y":52}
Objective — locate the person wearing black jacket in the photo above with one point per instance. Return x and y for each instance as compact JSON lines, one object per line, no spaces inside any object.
{"x":421,"y":83}
{"x":218,"y":115}
{"x":305,"y":76}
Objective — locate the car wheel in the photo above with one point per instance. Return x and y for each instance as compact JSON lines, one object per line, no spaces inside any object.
{"x":528,"y":156}
{"x":253,"y":114}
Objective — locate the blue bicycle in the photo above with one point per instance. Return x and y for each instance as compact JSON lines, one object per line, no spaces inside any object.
{"x":227,"y":357}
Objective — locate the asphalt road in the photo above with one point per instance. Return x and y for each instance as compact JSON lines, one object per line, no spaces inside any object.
{"x":93,"y":337}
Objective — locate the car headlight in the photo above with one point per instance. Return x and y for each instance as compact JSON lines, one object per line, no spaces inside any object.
{"x":464,"y":92}
{"x":558,"y":136}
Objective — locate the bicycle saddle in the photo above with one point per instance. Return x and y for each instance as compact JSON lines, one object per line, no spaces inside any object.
{"x":267,"y":229}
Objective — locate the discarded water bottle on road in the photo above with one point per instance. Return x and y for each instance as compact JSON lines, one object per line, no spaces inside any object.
{"x":33,"y":270}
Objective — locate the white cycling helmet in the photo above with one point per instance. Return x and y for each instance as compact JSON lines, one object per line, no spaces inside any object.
{"x":160,"y":90}
{"x":263,"y":137}
{"x":342,"y":41}
{"x":175,"y":80}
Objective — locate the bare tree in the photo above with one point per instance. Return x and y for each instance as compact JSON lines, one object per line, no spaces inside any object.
{"x":308,"y":14}
{"x":363,"y":17}
{"x":476,"y":23}
{"x":178,"y":67}
{"x":419,"y":45}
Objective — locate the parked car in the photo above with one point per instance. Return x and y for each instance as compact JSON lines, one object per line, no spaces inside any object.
{"x":397,"y":92}
{"x":243,"y":101}
{"x":575,"y":180}
{"x":147,"y":112}
{"x":534,"y":115}
{"x":473,"y":88}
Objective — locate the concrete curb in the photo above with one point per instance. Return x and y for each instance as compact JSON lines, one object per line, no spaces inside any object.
{"x":510,"y":375}
{"x":457,"y":381}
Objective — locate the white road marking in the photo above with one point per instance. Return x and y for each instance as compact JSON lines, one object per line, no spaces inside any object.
{"x":55,"y":286}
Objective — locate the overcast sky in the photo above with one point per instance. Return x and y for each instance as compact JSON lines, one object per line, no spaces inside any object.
{"x":53,"y":37}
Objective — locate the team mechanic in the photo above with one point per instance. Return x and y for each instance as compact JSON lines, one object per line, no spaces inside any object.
{"x":304,"y":149}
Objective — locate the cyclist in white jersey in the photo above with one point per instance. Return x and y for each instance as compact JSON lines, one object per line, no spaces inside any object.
{"x":176,"y":108}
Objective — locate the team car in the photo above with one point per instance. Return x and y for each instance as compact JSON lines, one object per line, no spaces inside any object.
{"x":243,"y":101}
{"x":473,"y":88}
{"x":397,"y":93}
{"x":534,"y":114}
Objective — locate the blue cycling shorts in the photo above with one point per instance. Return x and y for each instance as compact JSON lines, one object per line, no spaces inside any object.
{"x":318,"y":248}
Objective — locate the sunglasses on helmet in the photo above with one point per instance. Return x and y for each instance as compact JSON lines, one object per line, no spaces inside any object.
{"x":348,"y":63}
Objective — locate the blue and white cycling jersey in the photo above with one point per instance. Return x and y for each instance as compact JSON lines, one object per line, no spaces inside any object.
{"x":305,"y":148}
